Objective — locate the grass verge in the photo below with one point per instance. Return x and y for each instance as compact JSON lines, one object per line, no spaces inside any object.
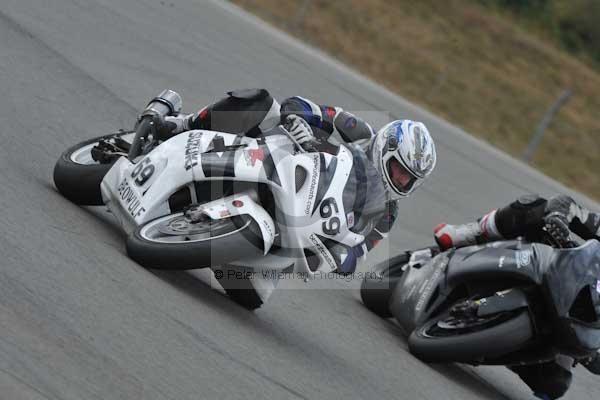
{"x":471,"y":66}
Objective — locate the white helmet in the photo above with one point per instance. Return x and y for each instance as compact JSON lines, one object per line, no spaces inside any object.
{"x":404,"y":153}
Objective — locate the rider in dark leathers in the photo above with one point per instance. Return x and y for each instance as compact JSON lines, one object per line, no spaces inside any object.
{"x":528,"y":216}
{"x":324,"y":128}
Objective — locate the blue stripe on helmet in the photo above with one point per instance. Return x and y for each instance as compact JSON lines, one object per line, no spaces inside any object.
{"x":399,"y":131}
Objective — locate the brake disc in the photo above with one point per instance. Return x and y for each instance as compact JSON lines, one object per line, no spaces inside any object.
{"x":181,"y":226}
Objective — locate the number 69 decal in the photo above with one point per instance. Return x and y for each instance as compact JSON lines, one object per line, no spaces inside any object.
{"x":143,"y":171}
{"x":328,"y":207}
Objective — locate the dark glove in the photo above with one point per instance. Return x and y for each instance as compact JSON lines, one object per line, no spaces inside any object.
{"x":556,"y":226}
{"x":592,"y":364}
{"x":164,"y":129}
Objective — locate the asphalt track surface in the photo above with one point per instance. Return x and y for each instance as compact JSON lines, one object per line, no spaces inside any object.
{"x":79,"y":320}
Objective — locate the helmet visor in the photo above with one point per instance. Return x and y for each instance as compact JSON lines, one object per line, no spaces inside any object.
{"x":401,"y":178}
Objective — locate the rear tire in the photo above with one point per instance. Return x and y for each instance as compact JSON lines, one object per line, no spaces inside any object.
{"x":80,"y":183}
{"x":377,"y":286}
{"x":228,"y":241}
{"x":507,"y":335}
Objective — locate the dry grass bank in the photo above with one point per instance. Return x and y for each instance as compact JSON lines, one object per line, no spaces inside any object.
{"x":471,"y":66}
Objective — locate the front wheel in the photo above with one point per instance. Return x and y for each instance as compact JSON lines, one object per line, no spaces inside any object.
{"x":377,"y":286}
{"x":77,"y":176}
{"x":174,"y":242}
{"x":449,"y":339}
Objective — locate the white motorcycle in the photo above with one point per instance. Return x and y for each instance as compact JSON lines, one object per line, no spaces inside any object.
{"x":203,"y":199}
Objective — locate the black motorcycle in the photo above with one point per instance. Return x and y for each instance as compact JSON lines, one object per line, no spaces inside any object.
{"x":503,"y":303}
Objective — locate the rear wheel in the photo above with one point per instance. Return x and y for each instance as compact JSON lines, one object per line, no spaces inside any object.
{"x":175,"y":242}
{"x":77,"y":175}
{"x":447,"y":338}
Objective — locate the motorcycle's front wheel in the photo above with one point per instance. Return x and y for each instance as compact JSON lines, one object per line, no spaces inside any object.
{"x":173,"y":242}
{"x":377,"y":286}
{"x":77,"y":176}
{"x":445,"y":338}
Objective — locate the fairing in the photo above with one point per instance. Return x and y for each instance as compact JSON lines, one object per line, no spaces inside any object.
{"x":422,"y":290}
{"x":560,"y":274}
{"x":571,"y":272}
{"x":308,"y":214}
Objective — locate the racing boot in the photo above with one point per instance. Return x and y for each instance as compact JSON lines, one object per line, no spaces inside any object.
{"x":482,"y":231}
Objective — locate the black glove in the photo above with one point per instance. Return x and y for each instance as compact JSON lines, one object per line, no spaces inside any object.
{"x":164,"y":129}
{"x":592,"y":364}
{"x":556,"y":226}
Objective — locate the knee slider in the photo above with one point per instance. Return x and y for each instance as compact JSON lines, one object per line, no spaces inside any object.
{"x":556,"y":384}
{"x":547,"y":381}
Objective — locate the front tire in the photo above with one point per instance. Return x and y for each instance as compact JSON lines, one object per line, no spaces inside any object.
{"x":174,"y":243}
{"x":377,"y":287}
{"x":77,"y":176}
{"x":437,"y":341}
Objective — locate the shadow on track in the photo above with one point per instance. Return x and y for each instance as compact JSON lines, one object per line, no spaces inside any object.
{"x":462,"y":375}
{"x":201,"y":286}
{"x":198,"y":284}
{"x":467,"y":377}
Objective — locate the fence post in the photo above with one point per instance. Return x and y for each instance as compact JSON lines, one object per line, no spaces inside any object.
{"x":544,"y":123}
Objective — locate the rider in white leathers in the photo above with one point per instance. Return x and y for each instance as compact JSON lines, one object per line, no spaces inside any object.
{"x":400,"y":156}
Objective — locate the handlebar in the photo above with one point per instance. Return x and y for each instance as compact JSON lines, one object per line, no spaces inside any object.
{"x":168,"y":102}
{"x":141,"y":133}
